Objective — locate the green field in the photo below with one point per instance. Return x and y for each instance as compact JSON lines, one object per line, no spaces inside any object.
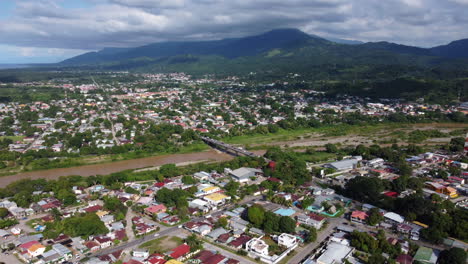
{"x":327,"y":131}
{"x":375,"y":131}
{"x":14,"y":138}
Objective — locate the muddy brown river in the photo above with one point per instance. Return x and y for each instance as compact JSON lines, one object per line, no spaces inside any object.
{"x":108,"y":168}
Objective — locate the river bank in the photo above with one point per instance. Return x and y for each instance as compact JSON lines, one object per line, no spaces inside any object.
{"x":116,"y":166}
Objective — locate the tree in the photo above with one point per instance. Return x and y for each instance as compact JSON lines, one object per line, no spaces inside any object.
{"x":312,"y":235}
{"x":376,"y":259}
{"x":3,"y":212}
{"x":271,"y":223}
{"x":182,"y":212}
{"x":194,"y":242}
{"x":308,"y":201}
{"x":256,"y":215}
{"x":331,"y":148}
{"x":374,"y":217}
{"x":222,"y":222}
{"x":188,"y":180}
{"x":287,"y":224}
{"x":86,"y":225}
{"x":365,"y":189}
{"x":453,"y":256}
{"x":232,"y":188}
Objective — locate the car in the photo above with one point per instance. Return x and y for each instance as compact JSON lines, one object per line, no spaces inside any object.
{"x":156,"y":235}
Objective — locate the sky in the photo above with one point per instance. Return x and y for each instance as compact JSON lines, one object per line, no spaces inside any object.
{"x":43,"y":31}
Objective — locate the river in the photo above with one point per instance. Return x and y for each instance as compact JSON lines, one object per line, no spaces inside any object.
{"x":108,"y":168}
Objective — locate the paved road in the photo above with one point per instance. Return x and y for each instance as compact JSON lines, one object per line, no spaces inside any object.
{"x":322,"y":235}
{"x":163,"y":232}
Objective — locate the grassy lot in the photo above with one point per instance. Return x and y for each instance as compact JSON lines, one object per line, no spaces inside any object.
{"x":318,"y":156}
{"x":290,"y":135}
{"x":14,"y":138}
{"x":162,"y":244}
{"x":391,"y":130}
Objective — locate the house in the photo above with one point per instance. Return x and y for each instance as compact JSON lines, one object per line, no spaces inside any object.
{"x":112,"y":257}
{"x":200,"y":205}
{"x":140,"y":253}
{"x":202,"y":175}
{"x":404,"y":259}
{"x":257,"y":246}
{"x":93,"y":246}
{"x":224,"y":238}
{"x":93,"y":209}
{"x":335,"y":253}
{"x":103,"y":241}
{"x":201,"y":228}
{"x":15,"y":231}
{"x":393,"y":218}
{"x":216,"y":198}
{"x":208,"y":257}
{"x":209,"y":190}
{"x":217,"y":232}
{"x":18,"y":212}
{"x":426,"y":256}
{"x":155,"y":209}
{"x":347,"y":164}
{"x":287,"y":240}
{"x":179,"y":252}
{"x":107,"y":219}
{"x":33,"y":248}
{"x":173,"y":261}
{"x":256,"y":231}
{"x":311,"y":219}
{"x":239,"y":242}
{"x":244,"y":174}
{"x":62,"y":251}
{"x":156,"y":259}
{"x":359,"y":217}
{"x":145,"y":200}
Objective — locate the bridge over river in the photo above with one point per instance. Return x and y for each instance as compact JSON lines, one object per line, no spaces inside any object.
{"x":237,"y":151}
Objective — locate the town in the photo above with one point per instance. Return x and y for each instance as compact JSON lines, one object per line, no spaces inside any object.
{"x":388,"y":196}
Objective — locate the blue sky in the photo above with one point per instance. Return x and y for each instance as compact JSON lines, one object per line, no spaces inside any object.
{"x":35,"y":31}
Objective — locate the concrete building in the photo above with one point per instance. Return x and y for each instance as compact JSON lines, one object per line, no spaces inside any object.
{"x":335,"y":253}
{"x":347,"y":164}
{"x":287,"y":240}
{"x":244,"y":174}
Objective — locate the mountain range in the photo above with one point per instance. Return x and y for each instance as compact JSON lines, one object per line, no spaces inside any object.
{"x":277,"y":49}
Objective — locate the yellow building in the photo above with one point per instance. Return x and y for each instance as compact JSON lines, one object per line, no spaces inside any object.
{"x":101,"y":213}
{"x":452,"y":192}
{"x":211,"y":189}
{"x":216,"y":198}
{"x":173,"y":261}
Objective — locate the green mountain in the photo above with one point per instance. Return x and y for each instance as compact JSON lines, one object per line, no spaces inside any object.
{"x":455,"y":49}
{"x":281,"y":49}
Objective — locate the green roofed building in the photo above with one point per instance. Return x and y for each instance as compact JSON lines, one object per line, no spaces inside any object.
{"x":426,"y":255}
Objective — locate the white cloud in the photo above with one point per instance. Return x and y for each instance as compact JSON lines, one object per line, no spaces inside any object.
{"x":124,"y":23}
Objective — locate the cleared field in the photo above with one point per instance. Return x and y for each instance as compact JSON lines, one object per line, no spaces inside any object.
{"x":345,"y":135}
{"x":162,"y":244}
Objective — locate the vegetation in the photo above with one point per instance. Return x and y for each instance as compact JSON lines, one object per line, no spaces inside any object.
{"x":162,"y":244}
{"x":270,"y":222}
{"x":444,"y":219}
{"x":83,"y":225}
{"x":453,"y":255}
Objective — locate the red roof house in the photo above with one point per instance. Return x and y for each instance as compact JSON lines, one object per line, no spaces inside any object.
{"x":179,"y":251}
{"x":156,"y":209}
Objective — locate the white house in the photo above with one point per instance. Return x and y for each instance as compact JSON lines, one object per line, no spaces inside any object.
{"x":287,"y":240}
{"x":258,"y":247}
